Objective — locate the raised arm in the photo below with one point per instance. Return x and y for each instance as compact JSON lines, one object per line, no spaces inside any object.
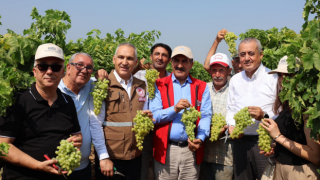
{"x":213,"y":48}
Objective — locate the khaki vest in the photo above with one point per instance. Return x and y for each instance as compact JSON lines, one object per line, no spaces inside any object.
{"x":118,"y":124}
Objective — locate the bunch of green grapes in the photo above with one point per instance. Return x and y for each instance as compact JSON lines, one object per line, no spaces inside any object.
{"x":243,"y":120}
{"x":264,"y":139}
{"x":189,"y":117}
{"x":230,"y":39}
{"x":99,"y":94}
{"x":217,"y":122}
{"x":68,"y":156}
{"x":151,"y":75}
{"x":142,"y":127}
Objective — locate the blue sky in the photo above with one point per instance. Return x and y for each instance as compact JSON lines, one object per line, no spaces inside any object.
{"x":181,"y":22}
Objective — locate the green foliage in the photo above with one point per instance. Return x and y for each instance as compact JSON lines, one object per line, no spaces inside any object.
{"x":17,"y":51}
{"x":310,"y":7}
{"x":197,"y":71}
{"x":273,"y":42}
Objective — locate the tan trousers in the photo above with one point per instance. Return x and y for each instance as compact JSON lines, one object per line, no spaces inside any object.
{"x":180,"y":165}
{"x":291,"y":172}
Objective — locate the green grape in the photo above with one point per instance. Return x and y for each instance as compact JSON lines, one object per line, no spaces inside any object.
{"x":189,"y":117}
{"x":142,"y":127}
{"x":230,"y":38}
{"x":151,"y":75}
{"x":99,"y":94}
{"x":68,"y":156}
{"x":243,"y":120}
{"x":265,"y":139}
{"x":217,"y":122}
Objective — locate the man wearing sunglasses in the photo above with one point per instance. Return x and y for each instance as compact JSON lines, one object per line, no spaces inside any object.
{"x":40,"y":118}
{"x":77,"y":83}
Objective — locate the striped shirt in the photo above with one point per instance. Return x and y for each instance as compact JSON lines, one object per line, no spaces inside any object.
{"x":218,"y":152}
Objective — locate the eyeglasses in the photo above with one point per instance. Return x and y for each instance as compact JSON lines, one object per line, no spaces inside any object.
{"x":80,"y":67}
{"x":44,"y":67}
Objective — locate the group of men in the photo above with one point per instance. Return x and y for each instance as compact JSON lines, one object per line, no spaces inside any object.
{"x":59,"y":104}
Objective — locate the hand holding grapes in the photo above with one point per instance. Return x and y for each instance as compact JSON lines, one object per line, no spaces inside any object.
{"x":46,"y":166}
{"x":195,"y":145}
{"x":273,"y":145}
{"x":256,"y":112}
{"x":149,"y":113}
{"x":101,"y":74}
{"x":182,"y":104}
{"x":271,"y":127}
{"x":77,"y":140}
{"x":221,"y":35}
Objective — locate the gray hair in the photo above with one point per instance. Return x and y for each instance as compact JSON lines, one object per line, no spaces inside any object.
{"x":82,"y":53}
{"x":130,"y":45}
{"x":250,"y":39}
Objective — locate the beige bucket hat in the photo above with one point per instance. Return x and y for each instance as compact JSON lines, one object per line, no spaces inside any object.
{"x":283,"y":66}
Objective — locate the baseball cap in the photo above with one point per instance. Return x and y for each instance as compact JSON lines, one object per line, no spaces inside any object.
{"x":220,"y":58}
{"x":283,"y":65}
{"x":183,"y":50}
{"x":49,"y":50}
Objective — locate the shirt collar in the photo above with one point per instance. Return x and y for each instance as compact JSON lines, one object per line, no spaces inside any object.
{"x":61,"y":99}
{"x":174,"y":79}
{"x":256,"y":74}
{"x":222,"y":89}
{"x":120,"y":80}
{"x":67,"y":90}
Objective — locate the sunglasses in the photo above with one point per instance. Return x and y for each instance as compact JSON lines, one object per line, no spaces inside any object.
{"x":44,"y":67}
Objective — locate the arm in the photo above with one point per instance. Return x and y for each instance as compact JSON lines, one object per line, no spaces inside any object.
{"x":19,"y":158}
{"x":310,"y":152}
{"x":141,"y":66}
{"x":101,"y":74}
{"x":213,"y":49}
{"x":160,"y":115}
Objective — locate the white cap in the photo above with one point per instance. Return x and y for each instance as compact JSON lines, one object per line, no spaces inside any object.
{"x":283,"y":66}
{"x":221,"y":59}
{"x":49,"y":50}
{"x":183,"y":50}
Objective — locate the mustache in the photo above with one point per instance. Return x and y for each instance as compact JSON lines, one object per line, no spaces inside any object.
{"x":248,"y":61}
{"x":159,"y":60}
{"x":180,"y":69}
{"x":218,"y":78}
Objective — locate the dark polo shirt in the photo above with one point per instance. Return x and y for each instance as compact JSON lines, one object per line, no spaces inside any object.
{"x":38,"y":129}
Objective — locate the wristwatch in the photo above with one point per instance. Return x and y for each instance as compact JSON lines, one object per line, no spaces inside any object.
{"x":265,"y":115}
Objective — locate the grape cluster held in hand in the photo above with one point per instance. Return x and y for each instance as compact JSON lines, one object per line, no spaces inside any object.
{"x":142,"y":127}
{"x":99,"y":94}
{"x":68,"y":156}
{"x":230,"y":38}
{"x":189,"y":117}
{"x":265,"y":139}
{"x":243,"y":120}
{"x":151,"y":75}
{"x":217,"y":122}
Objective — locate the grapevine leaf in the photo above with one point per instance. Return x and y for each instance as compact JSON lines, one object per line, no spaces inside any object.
{"x":316,"y":60}
{"x":4,"y":149}
{"x":307,"y":58}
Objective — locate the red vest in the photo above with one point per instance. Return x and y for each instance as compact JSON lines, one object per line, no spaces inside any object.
{"x":161,"y":132}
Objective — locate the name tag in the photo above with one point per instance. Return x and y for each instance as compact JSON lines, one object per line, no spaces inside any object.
{"x":142,"y":99}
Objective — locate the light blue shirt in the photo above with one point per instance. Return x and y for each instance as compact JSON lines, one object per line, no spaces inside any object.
{"x":81,"y":102}
{"x":162,"y":116}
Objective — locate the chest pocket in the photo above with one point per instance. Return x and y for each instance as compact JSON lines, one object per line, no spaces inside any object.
{"x":115,"y":102}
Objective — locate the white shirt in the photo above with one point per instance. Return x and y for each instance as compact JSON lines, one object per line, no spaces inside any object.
{"x":260,"y":91}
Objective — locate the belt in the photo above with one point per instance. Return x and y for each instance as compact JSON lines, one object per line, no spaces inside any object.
{"x":251,"y":137}
{"x":180,"y":144}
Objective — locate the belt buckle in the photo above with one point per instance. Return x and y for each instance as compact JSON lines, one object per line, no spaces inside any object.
{"x":179,"y":143}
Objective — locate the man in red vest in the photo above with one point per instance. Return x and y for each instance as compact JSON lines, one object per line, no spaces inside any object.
{"x":176,"y":157}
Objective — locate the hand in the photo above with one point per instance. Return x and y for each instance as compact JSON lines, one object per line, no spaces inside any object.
{"x":106,"y":166}
{"x":195,"y":145}
{"x":256,"y":112}
{"x":149,"y":113}
{"x":271,"y":127}
{"x":142,"y":66}
{"x":183,"y":103}
{"x":273,"y":145}
{"x":223,"y":129}
{"x":77,"y":140}
{"x":231,"y":128}
{"x":221,"y":35}
{"x":46,"y":166}
{"x":101,"y":74}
